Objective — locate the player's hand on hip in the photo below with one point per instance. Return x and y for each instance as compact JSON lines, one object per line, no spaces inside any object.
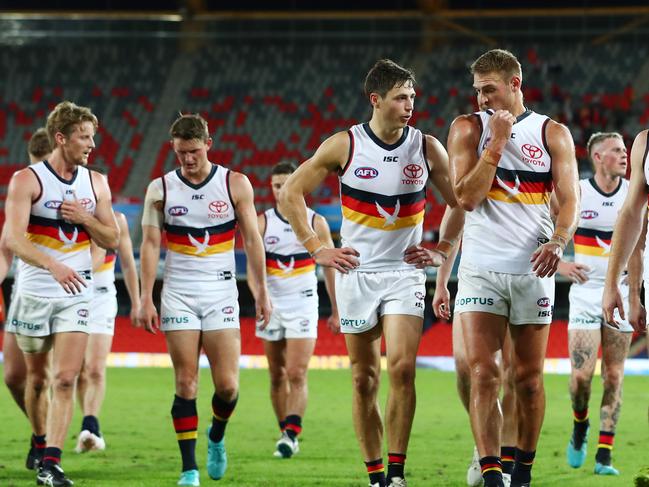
{"x":612,"y":300}
{"x":422,"y":257}
{"x":545,"y":259}
{"x":573,"y":271}
{"x":343,"y":259}
{"x":442,"y":303}
{"x":263,"y":310}
{"x":69,"y":280}
{"x":501,"y":124}
{"x":333,"y":323}
{"x":148,"y":317}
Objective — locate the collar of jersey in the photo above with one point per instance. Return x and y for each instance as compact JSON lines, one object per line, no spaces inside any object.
{"x":380,"y":143}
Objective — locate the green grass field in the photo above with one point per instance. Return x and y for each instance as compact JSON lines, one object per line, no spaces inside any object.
{"x":142,"y":450}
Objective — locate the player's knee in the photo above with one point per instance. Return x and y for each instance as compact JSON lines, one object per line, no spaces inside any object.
{"x":613,"y":380}
{"x":485,"y":375}
{"x":15,"y":379}
{"x":96,"y":375}
{"x":582,"y":380}
{"x":366,"y":383}
{"x":296,"y":374}
{"x":186,"y":385}
{"x":227,"y":390}
{"x":277,"y":377}
{"x":64,"y":381}
{"x":402,"y":373}
{"x":529,"y":385}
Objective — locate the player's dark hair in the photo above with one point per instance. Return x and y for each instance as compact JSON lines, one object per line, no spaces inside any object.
{"x":283,"y":168}
{"x":385,"y":75}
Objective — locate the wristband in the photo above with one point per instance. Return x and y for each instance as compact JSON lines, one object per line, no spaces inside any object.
{"x":444,"y":247}
{"x":558,"y":240}
{"x":312,"y":243}
{"x":437,"y":251}
{"x":313,"y":254}
{"x":562,"y":233}
{"x":491,"y":157}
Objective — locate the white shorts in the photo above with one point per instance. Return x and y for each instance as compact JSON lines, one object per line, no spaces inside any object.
{"x":103,"y":310}
{"x":205,"y":311}
{"x":523,"y":298}
{"x":34,"y":316}
{"x":363,"y":297}
{"x":586,"y":309}
{"x":291,"y":318}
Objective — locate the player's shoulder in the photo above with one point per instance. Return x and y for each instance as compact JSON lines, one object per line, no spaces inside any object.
{"x":467,"y":123}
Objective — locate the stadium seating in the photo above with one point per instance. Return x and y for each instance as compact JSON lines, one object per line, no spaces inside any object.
{"x":273,"y":102}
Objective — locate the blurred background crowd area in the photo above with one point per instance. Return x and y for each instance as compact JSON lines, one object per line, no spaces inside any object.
{"x":274,"y":79}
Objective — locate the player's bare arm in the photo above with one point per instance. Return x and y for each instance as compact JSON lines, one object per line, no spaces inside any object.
{"x":453,"y":220}
{"x":252,"y":283}
{"x":637,"y":313}
{"x":472,"y":176}
{"x":152,"y":219}
{"x":565,"y":178}
{"x":627,"y":230}
{"x":331,"y":156}
{"x":24,"y":188}
{"x":243,"y":199}
{"x":129,"y":269}
{"x":6,"y":255}
{"x":102,"y":226}
{"x":323,"y":232}
{"x":442,"y":297}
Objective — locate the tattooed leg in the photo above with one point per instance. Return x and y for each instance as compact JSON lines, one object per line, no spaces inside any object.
{"x":615,"y":346}
{"x":582,"y":346}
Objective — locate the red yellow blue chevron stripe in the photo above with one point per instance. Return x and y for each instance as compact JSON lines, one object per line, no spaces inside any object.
{"x":285,"y":266}
{"x":57,"y":234}
{"x":592,"y":242}
{"x":200,"y":242}
{"x":522,"y":187}
{"x":109,"y":262}
{"x":383,"y":212}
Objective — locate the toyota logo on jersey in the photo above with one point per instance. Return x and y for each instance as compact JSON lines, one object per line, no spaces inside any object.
{"x":413,"y":171}
{"x":219,"y":206}
{"x":531,"y":151}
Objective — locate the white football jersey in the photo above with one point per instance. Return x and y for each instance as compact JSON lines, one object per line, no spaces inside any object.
{"x":503,"y":232}
{"x":290,"y":269}
{"x":105,"y":276}
{"x":68,"y":243}
{"x":383,"y":197}
{"x":199,"y":223}
{"x":595,"y":231}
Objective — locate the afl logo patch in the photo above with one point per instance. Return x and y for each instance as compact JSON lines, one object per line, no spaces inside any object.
{"x":419,"y":295}
{"x":543,"y":302}
{"x":589,"y":214}
{"x":228,"y":310}
{"x":83,"y":313}
{"x":178,"y":210}
{"x":413,"y":171}
{"x":272,"y":240}
{"x":366,"y":173}
{"x":219,"y":206}
{"x":52,"y":204}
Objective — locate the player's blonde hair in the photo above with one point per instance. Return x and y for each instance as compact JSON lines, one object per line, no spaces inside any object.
{"x":65,"y":118}
{"x":498,"y":61}
{"x":599,"y":137}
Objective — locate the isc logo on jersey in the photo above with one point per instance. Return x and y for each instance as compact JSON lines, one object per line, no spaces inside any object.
{"x":366,"y":172}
